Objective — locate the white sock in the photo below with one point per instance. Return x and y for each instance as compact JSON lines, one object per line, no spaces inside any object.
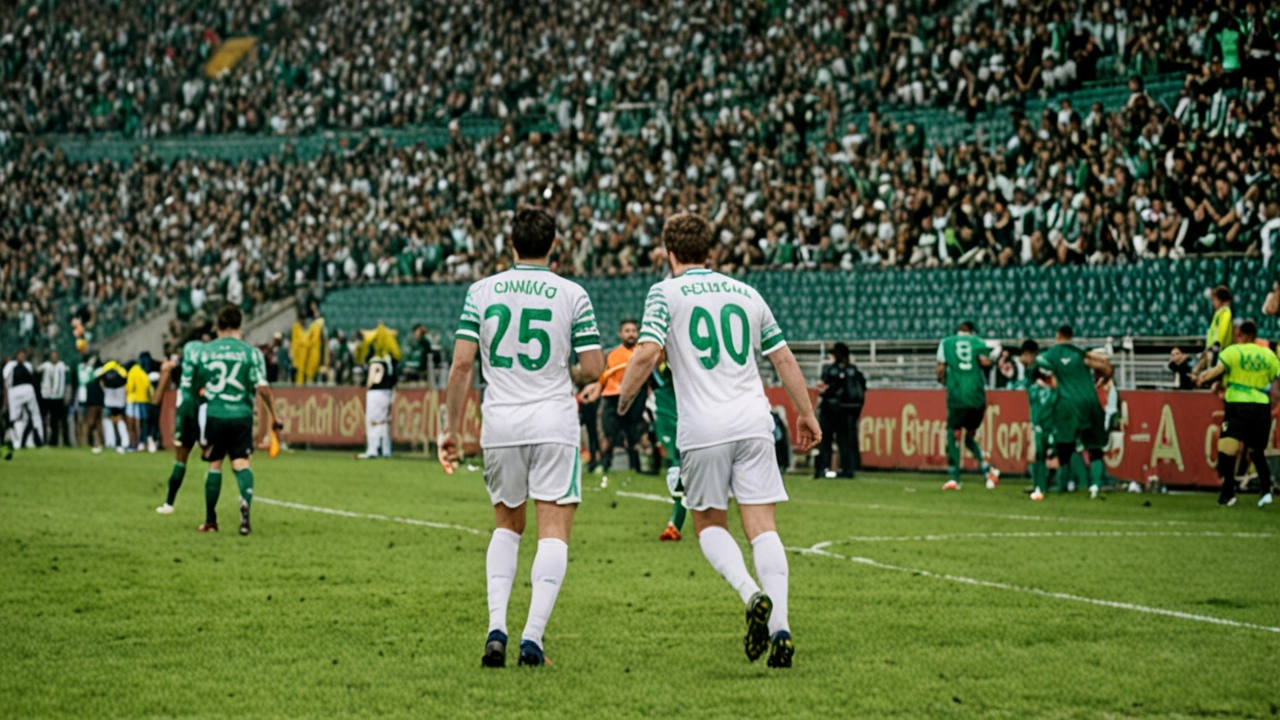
{"x":386,"y":440}
{"x":371,"y":439}
{"x":500,"y":565}
{"x":122,"y":434}
{"x":725,"y":556}
{"x":772,"y":569}
{"x":109,"y":433}
{"x":549,"y":566}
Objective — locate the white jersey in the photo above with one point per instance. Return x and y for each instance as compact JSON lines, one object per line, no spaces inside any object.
{"x":712,"y":326}
{"x":528,"y":321}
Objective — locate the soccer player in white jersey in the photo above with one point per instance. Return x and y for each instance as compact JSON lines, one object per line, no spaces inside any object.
{"x":525,"y":323}
{"x":711,"y":327}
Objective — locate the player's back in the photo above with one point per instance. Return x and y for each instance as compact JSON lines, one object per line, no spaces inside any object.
{"x":966,"y":385}
{"x":1074,"y":378}
{"x":381,"y":374}
{"x":527,"y":322}
{"x":229,"y":371}
{"x":712,"y":326}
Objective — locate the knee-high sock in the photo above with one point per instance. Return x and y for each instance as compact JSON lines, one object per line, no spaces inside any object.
{"x":1264,"y":470}
{"x":500,"y":566}
{"x":108,"y":432}
{"x":1097,"y":468}
{"x":953,"y":456}
{"x":212,"y":489}
{"x":1227,"y":471}
{"x":122,"y":434}
{"x":175,"y":481}
{"x":244,"y":479}
{"x":549,"y":566}
{"x":971,"y":442}
{"x":726,"y":557}
{"x":678,"y":514}
{"x":372,"y":440}
{"x":774,"y":573}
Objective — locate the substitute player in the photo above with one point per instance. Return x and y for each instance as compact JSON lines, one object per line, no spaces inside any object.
{"x":1249,"y":370}
{"x":961,"y":361}
{"x":188,"y":416}
{"x":380,"y":384}
{"x":711,"y":326}
{"x":525,"y":323}
{"x":230,"y":373}
{"x":1041,"y":398}
{"x":666,"y":425}
{"x":1078,"y":418}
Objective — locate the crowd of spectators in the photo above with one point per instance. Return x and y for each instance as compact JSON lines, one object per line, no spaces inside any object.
{"x":788,"y":184}
{"x":137,"y":68}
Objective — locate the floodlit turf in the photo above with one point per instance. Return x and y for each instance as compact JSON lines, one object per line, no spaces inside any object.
{"x":111,"y":610}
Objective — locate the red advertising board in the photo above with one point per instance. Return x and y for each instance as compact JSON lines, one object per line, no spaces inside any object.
{"x":1169,"y":435}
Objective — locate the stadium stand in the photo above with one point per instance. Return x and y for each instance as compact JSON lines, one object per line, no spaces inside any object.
{"x":866,"y":138}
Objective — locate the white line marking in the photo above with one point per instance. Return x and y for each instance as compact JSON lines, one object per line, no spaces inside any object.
{"x":646,"y":496}
{"x":369,"y":516}
{"x":817,"y":550}
{"x":998,"y":516}
{"x":1057,"y":534}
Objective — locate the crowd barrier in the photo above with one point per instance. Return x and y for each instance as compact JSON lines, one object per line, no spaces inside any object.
{"x":1171,"y":436}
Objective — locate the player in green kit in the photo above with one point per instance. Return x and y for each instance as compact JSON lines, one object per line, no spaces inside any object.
{"x":231,"y":373}
{"x":961,"y":361}
{"x":664,"y":422}
{"x":186,"y":417}
{"x":1041,"y":398}
{"x":1078,"y":418}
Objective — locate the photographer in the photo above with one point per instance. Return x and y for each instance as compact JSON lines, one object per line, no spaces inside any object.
{"x":842,"y":393}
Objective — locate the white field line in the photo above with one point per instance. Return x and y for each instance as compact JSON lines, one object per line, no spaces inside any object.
{"x":369,"y":516}
{"x":1057,"y":534}
{"x":817,"y":550}
{"x":646,"y":496}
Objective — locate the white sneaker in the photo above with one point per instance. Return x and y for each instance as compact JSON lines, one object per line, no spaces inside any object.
{"x":1037,"y":495}
{"x":151,"y":445}
{"x":1071,"y":486}
{"x":165,"y":509}
{"x":1265,"y":500}
{"x":120,"y":450}
{"x":993,"y":478}
{"x":97,"y":451}
{"x":1093,"y":492}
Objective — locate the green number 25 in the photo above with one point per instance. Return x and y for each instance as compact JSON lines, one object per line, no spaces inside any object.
{"x":702,"y":333}
{"x":528,"y":334}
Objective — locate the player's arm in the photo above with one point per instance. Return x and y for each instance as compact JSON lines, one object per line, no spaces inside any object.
{"x":1212,"y":373}
{"x":639,"y":368}
{"x":808,"y":433}
{"x":166,"y":374}
{"x":1097,"y":362}
{"x":268,"y":399}
{"x":455,"y":401}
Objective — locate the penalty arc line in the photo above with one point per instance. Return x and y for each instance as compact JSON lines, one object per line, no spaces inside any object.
{"x":369,"y":516}
{"x":817,"y":550}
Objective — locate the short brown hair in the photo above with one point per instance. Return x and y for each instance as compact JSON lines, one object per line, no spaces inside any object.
{"x":1222,"y":294}
{"x":229,"y":317}
{"x":688,"y":237}
{"x":533,"y":232}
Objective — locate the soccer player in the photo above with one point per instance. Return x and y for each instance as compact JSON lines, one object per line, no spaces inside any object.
{"x":20,"y":383}
{"x":961,"y":361}
{"x":614,"y":427}
{"x":1249,"y":370}
{"x":380,"y":384}
{"x":188,"y":416}
{"x":1078,"y":418}
{"x":666,"y":425}
{"x":524,"y":323}
{"x":1041,"y":398}
{"x":711,"y":326}
{"x":231,"y":373}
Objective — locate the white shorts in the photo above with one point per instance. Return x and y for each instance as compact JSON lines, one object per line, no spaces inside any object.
{"x":548,"y":472}
{"x":377,"y":407}
{"x":746,"y":470}
{"x":113,"y":398}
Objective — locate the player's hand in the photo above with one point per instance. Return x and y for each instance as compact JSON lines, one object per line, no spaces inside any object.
{"x":277,"y":426}
{"x":590,"y":393}
{"x":168,"y":365}
{"x":624,"y":406}
{"x":447,"y":452}
{"x":808,"y":433}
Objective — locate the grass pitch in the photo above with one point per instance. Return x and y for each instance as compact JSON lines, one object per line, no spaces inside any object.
{"x":970,"y":604}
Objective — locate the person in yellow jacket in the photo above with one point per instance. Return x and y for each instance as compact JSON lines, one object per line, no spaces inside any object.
{"x":138,"y":393}
{"x":1220,"y":333}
